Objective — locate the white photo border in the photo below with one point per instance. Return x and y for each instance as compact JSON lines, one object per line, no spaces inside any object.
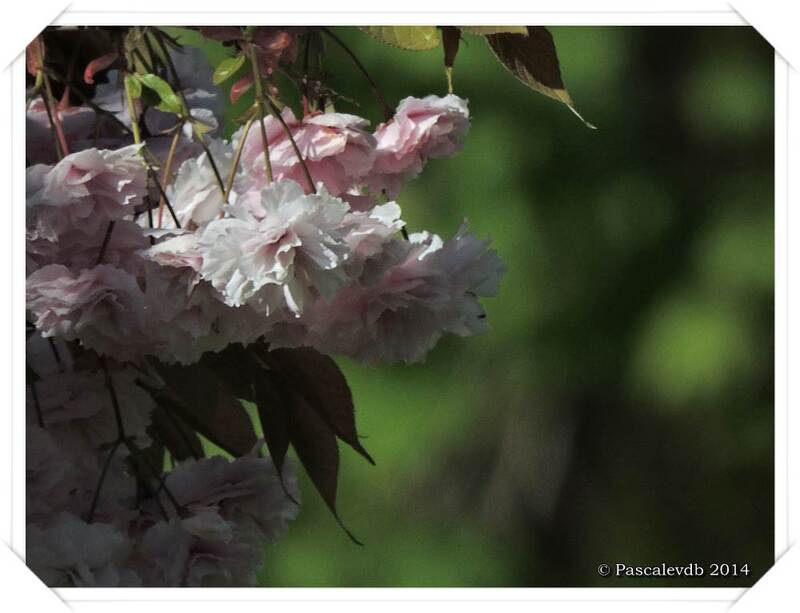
{"x":787,"y":475}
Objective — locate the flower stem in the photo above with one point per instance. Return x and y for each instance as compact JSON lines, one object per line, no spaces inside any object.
{"x":51,"y":106}
{"x":167,"y":173}
{"x":137,"y":137}
{"x":277,"y":114}
{"x":237,"y":156}
{"x":158,"y":35}
{"x":260,"y":102}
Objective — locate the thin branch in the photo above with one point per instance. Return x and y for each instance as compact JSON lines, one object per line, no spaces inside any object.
{"x":387,"y":111}
{"x":103,"y":472}
{"x":260,"y":102}
{"x":158,"y":35}
{"x":276,"y":113}
{"x":168,"y":174}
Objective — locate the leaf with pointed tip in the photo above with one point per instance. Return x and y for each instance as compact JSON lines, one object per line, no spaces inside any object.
{"x":412,"y":38}
{"x":199,"y":397}
{"x":317,"y":377}
{"x":272,"y":406}
{"x":227,"y":68}
{"x":235,"y":366}
{"x":176,"y":435}
{"x":315,"y":444}
{"x":241,"y":87}
{"x":169,"y":101}
{"x":98,"y":64}
{"x":450,"y":39}
{"x":533,"y":60}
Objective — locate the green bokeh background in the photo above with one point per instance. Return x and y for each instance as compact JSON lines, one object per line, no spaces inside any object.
{"x":621,"y":408}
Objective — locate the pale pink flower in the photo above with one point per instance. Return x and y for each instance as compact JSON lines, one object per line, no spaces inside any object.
{"x":246,"y":490}
{"x":103,"y":307}
{"x":195,"y":193}
{"x":336,"y":148}
{"x":393,"y":313}
{"x":85,"y":190}
{"x":407,"y":297}
{"x":68,"y":552}
{"x":203,"y":550}
{"x":288,"y":253}
{"x":421,"y":129}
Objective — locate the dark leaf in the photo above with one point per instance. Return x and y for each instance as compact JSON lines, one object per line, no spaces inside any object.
{"x":236,"y":368}
{"x":317,"y":377}
{"x":315,"y":444}
{"x":450,"y":38}
{"x":272,"y":407}
{"x":533,"y":60}
{"x":177,"y":436}
{"x":202,"y":399}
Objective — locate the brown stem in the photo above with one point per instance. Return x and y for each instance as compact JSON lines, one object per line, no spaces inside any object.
{"x":51,"y":106}
{"x":276,"y":113}
{"x":158,"y":36}
{"x":165,"y":178}
{"x":387,"y":111}
{"x":260,"y":102}
{"x":237,"y":156}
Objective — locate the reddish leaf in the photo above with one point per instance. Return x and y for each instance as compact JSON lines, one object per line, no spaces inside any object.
{"x":98,"y":64}
{"x":240,"y":87}
{"x":533,"y":60}
{"x":325,"y":389}
{"x":450,"y":39}
{"x":177,"y":436}
{"x":315,"y":444}
{"x":34,"y":56}
{"x":208,"y":405}
{"x":272,"y":411}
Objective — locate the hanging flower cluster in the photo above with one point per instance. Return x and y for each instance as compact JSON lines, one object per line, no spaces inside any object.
{"x":173,"y":273}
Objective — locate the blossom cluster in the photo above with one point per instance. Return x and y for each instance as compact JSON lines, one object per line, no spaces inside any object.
{"x":289,"y":233}
{"x":83,"y":535}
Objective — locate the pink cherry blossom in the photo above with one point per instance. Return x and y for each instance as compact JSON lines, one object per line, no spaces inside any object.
{"x":421,"y":129}
{"x":336,"y":149}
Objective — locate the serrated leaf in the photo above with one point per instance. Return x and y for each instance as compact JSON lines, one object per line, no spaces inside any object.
{"x":486,"y":30}
{"x":169,"y":101}
{"x":227,"y":68}
{"x":203,"y":400}
{"x":412,"y":38}
{"x":315,"y":444}
{"x":533,"y":60}
{"x":272,"y":405}
{"x":319,"y":380}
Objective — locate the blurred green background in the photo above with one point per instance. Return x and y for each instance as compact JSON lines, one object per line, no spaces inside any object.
{"x":621,"y":408}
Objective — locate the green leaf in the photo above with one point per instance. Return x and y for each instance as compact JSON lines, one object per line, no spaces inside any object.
{"x":169,"y":101}
{"x":227,"y":68}
{"x":133,"y":85}
{"x":486,"y":30}
{"x":533,"y":60}
{"x":412,"y":38}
